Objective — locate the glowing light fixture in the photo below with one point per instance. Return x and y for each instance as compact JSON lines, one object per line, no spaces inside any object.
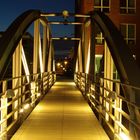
{"x":88,"y":94}
{"x":123,"y":136}
{"x":21,"y":110}
{"x":38,"y":94}
{"x":88,"y":23}
{"x":10,"y":93}
{"x":65,"y":38}
{"x":65,"y":62}
{"x":26,"y":106}
{"x":65,"y":13}
{"x":58,"y":64}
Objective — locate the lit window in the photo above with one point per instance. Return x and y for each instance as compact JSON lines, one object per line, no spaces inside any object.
{"x":99,"y":36}
{"x":102,"y":5}
{"x":98,"y":59}
{"x":127,"y":6}
{"x":129,"y":33}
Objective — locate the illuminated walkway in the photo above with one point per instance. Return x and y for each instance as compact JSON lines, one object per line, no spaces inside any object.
{"x":63,"y":114}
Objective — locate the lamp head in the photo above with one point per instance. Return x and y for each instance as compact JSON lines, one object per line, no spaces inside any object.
{"x":65,"y":13}
{"x":9,"y":93}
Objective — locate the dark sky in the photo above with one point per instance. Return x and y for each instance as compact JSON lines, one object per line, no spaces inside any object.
{"x":10,"y":9}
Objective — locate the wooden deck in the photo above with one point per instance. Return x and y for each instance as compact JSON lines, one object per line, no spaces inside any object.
{"x":63,"y":114}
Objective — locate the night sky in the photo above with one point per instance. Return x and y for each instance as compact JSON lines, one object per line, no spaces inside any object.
{"x":10,"y":9}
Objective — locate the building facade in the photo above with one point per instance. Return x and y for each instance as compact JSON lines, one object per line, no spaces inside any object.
{"x":123,"y":13}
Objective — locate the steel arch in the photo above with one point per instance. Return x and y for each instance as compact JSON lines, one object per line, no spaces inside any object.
{"x":126,"y":65}
{"x":13,"y":34}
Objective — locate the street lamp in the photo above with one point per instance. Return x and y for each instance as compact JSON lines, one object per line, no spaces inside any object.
{"x":65,"y":62}
{"x":65,"y":14}
{"x":58,"y":64}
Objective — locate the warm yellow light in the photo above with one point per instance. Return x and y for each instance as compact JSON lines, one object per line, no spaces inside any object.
{"x":76,"y":67}
{"x":65,"y":62}
{"x":65,"y":38}
{"x":40,"y":56}
{"x":92,"y":88}
{"x":88,"y":94}
{"x":25,"y":65}
{"x":21,"y":110}
{"x":26,"y":106}
{"x":107,"y":108}
{"x":33,"y":87}
{"x":88,"y":23}
{"x":58,"y":64}
{"x":65,"y":13}
{"x":88,"y":59}
{"x":93,"y":96}
{"x":38,"y":94}
{"x":123,"y":136}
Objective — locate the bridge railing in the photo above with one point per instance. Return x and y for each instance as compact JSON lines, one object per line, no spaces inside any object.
{"x":113,"y":110}
{"x":19,"y":100}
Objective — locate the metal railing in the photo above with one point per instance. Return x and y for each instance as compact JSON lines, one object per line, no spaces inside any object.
{"x":19,"y":95}
{"x":115,"y":112}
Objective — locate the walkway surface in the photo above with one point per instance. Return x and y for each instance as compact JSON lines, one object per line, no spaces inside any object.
{"x":63,"y":114}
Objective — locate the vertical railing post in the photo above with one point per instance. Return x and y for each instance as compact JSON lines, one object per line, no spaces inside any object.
{"x":118,"y":105}
{"x":108,"y":73}
{"x":86,"y":83}
{"x":4,"y":111}
{"x":133,"y":115}
{"x":23,"y":88}
{"x":101,"y":100}
{"x":43,"y":76}
{"x":36,"y":49}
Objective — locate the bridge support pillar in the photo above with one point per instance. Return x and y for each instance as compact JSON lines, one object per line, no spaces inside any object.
{"x":79,"y":59}
{"x":44,"y":47}
{"x":108,"y":73}
{"x":87,"y":46}
{"x":36,"y":46}
{"x":50,"y":57}
{"x":17,"y":71}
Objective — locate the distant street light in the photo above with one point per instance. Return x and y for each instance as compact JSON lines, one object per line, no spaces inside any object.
{"x":58,"y":64}
{"x":65,"y":62}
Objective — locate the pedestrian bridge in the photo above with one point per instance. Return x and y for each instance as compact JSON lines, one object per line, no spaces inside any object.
{"x":62,"y":114}
{"x":95,"y":104}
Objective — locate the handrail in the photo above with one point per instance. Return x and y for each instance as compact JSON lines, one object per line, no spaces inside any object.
{"x":29,"y":94}
{"x":123,"y":58}
{"x":109,"y":103}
